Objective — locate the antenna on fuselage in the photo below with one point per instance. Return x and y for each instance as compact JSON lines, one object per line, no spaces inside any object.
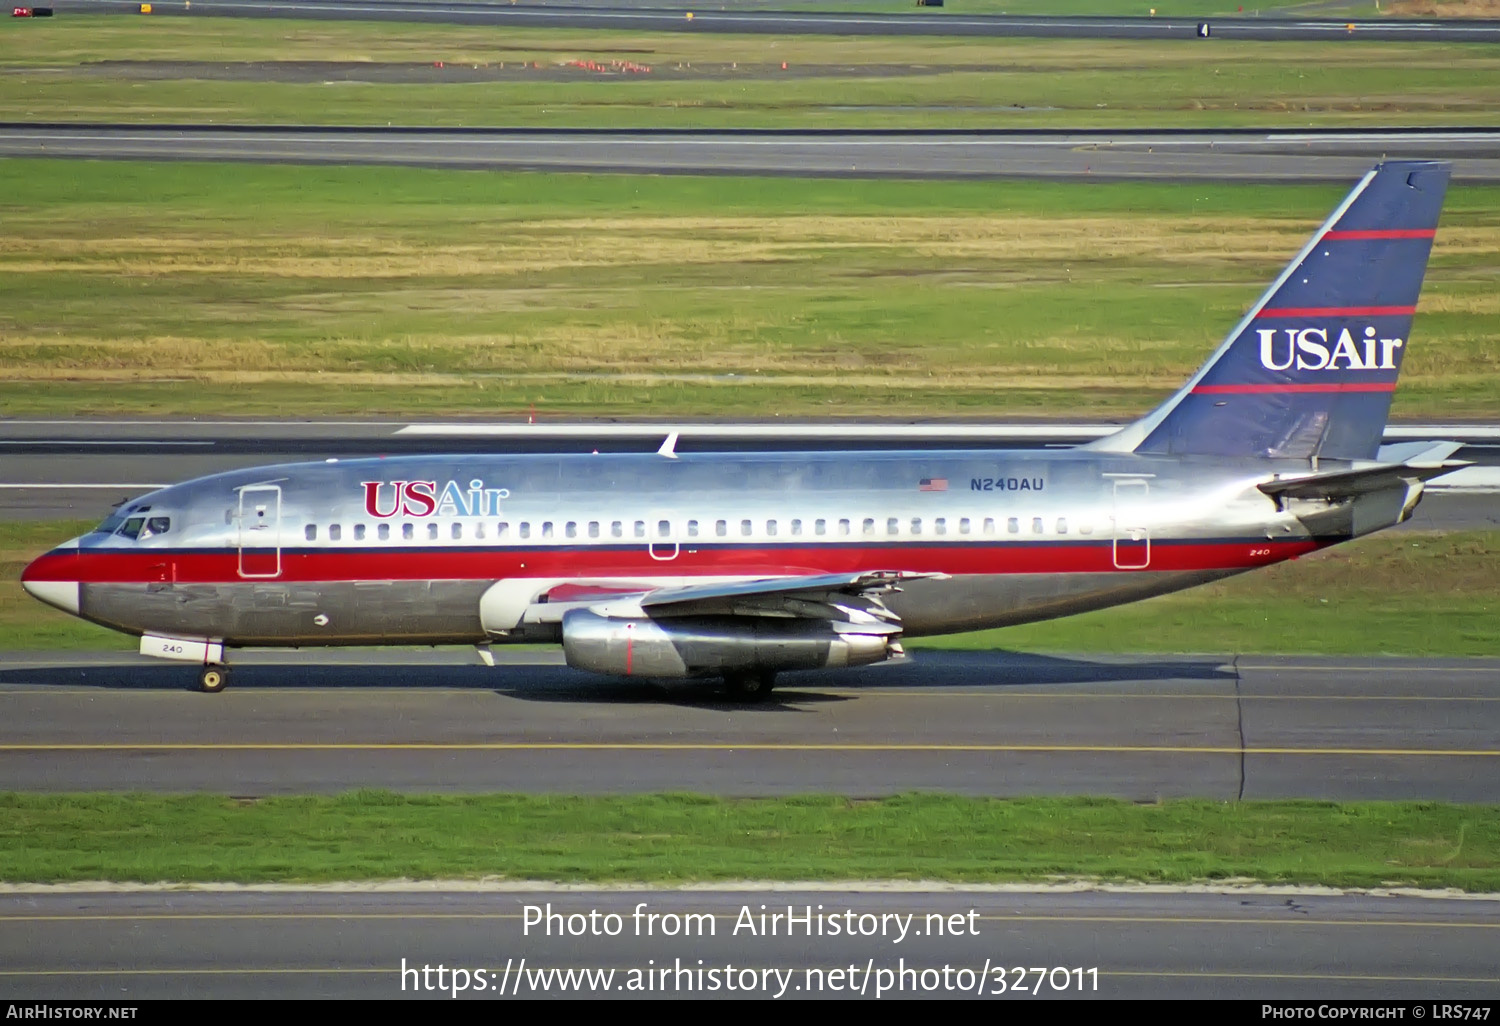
{"x":669,"y":447}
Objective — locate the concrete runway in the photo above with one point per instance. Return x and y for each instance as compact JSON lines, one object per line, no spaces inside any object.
{"x":643,"y":17}
{"x":1334,"y":156}
{"x":80,"y":469}
{"x":316,"y":944}
{"x":983,"y":723}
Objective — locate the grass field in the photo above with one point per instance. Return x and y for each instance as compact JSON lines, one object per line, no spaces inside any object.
{"x":241,"y":290}
{"x":184,"y":70}
{"x":1405,"y":593}
{"x":681,"y":838}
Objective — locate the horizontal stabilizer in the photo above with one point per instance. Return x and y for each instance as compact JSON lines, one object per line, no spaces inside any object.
{"x":1429,"y":461}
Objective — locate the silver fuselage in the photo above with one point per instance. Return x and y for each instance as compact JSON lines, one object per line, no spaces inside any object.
{"x":468,"y":549}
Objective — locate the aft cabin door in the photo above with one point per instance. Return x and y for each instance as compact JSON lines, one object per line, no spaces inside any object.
{"x":1132,"y":544}
{"x":260,"y":531}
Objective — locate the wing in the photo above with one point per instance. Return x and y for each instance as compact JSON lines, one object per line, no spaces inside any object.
{"x":851,"y":600}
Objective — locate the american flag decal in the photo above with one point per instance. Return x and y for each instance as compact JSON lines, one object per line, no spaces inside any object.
{"x":932,"y":484}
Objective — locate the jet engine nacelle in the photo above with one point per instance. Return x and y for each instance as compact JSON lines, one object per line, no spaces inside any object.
{"x":702,"y":646}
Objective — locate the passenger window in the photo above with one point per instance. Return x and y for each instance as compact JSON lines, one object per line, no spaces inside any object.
{"x":1085,"y":528}
{"x":310,"y":532}
{"x":1013,"y":525}
{"x":796,"y":527}
{"x":664,"y":529}
{"x":770,"y":528}
{"x":989,"y":525}
{"x":640,"y":529}
{"x":845,"y":529}
{"x":963,"y":525}
{"x":359,"y":532}
{"x":721,"y":528}
{"x":869,"y":525}
{"x":408,"y":531}
{"x":502,"y":529}
{"x":940,"y":526}
{"x":571,"y":530}
{"x":432,"y":532}
{"x":692,"y":528}
{"x":525,"y":530}
{"x":383,"y":532}
{"x":746,"y":528}
{"x":1036,"y":525}
{"x":593,"y":528}
{"x":892,"y":525}
{"x":546,"y":529}
{"x":617,"y":530}
{"x":820,"y":527}
{"x":335,"y":532}
{"x":479,"y":529}
{"x":916,"y":525}
{"x":456,"y":531}
{"x":1062,"y":525}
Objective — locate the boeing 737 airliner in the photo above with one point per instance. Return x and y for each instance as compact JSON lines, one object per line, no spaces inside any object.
{"x":742,"y":566}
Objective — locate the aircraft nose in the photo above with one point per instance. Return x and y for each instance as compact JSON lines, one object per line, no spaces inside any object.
{"x":53,"y":578}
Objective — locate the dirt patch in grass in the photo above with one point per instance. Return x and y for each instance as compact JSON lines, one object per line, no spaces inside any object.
{"x":1443,"y":8}
{"x":613,"y":63}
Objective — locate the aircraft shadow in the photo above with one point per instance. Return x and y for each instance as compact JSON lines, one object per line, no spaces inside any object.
{"x":552,"y":683}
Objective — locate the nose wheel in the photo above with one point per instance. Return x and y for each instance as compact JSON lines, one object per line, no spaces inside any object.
{"x":213,"y":679}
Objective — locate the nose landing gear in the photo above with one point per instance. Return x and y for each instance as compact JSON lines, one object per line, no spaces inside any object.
{"x":213,"y":679}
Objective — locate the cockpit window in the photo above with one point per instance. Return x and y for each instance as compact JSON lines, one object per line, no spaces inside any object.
{"x":157,"y":525}
{"x":127,"y":517}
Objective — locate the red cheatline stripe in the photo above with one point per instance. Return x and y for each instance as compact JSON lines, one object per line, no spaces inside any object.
{"x":372,"y":564}
{"x":1344,"y":386}
{"x":1337,"y":311}
{"x":1383,"y":233}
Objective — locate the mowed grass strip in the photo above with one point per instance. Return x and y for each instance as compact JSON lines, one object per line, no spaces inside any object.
{"x":99,"y":69}
{"x":1399,"y":593}
{"x":374,"y":835}
{"x":231,"y":289}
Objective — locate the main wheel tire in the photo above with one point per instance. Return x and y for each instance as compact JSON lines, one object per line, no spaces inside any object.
{"x":750,"y":687}
{"x":213,"y":679}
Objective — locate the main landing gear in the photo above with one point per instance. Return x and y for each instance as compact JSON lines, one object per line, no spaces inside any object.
{"x":750,"y":685}
{"x":213,"y":679}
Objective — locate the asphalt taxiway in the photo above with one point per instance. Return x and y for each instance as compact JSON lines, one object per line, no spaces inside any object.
{"x":978,"y":723}
{"x":1163,"y":155}
{"x":1265,"y":945}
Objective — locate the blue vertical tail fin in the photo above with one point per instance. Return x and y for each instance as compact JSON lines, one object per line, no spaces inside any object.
{"x":1309,"y":371}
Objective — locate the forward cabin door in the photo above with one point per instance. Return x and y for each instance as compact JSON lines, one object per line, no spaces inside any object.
{"x":661,"y":530}
{"x":1132,"y":507}
{"x":260,"y":531}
